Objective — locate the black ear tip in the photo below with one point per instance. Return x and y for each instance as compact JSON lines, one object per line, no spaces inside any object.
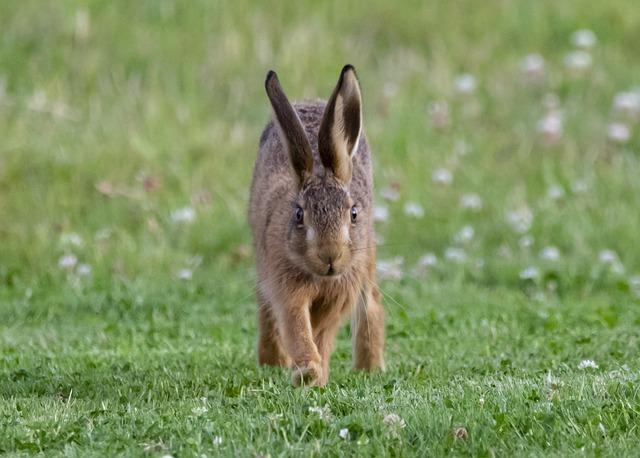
{"x":270,"y":76}
{"x":347,"y":68}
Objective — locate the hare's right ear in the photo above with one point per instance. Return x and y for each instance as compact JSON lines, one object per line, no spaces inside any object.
{"x":341,"y":125}
{"x":292,"y":133}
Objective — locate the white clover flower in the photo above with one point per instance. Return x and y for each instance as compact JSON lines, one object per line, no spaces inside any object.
{"x":584,"y":38}
{"x":464,"y":235}
{"x":71,"y":238}
{"x":442,"y":176}
{"x":456,"y":255}
{"x":344,"y":433}
{"x":530,"y":273}
{"x":217,"y":440}
{"x":428,"y":260}
{"x":323,"y":412}
{"x":84,"y":270}
{"x":619,"y":132}
{"x":380,"y":213}
{"x":185,"y":274}
{"x":520,"y":219}
{"x":607,"y":256}
{"x":578,"y":62}
{"x":610,"y":258}
{"x":532,"y":67}
{"x":390,"y":269}
{"x":550,"y":253}
{"x":471,"y":202}
{"x":390,"y":193}
{"x":67,"y":261}
{"x":550,"y":127}
{"x":199,"y":410}
{"x":183,"y":215}
{"x":587,"y":364}
{"x":525,"y":242}
{"x":465,"y":83}
{"x":424,"y":264}
{"x":393,"y":420}
{"x":555,"y":192}
{"x":414,"y":210}
{"x":627,"y":103}
{"x":580,"y":186}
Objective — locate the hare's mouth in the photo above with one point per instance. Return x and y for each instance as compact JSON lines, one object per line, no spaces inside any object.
{"x":326,"y":267}
{"x":326,"y":271}
{"x":331,"y":271}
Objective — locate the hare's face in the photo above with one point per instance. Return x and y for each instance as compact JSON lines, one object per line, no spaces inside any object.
{"x":323,"y":218}
{"x":324,"y":222}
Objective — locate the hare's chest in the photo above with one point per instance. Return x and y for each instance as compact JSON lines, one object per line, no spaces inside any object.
{"x":331,"y":303}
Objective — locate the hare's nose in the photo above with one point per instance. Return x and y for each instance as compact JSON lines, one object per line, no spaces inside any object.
{"x":330,"y":256}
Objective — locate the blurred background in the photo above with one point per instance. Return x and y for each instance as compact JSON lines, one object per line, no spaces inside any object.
{"x":505,"y":136}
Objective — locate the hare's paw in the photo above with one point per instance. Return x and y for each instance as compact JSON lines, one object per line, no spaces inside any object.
{"x":308,"y":374}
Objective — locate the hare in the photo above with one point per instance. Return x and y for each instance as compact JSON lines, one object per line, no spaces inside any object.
{"x":311,"y":217}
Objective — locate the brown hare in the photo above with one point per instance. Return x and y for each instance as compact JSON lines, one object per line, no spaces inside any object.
{"x":311,"y":218}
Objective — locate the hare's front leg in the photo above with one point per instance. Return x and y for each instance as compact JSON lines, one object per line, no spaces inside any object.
{"x":367,"y":328}
{"x":270,"y":351}
{"x":295,"y":328}
{"x":324,"y":341}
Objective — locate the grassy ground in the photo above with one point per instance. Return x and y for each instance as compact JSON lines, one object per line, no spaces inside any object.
{"x":126,"y":311}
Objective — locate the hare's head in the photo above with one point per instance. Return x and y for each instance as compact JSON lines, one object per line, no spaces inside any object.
{"x":324,"y":228}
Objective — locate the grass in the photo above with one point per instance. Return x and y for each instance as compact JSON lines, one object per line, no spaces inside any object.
{"x":127,"y":325}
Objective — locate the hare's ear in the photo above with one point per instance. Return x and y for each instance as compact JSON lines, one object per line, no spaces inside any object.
{"x":292,"y":133}
{"x":341,"y":125}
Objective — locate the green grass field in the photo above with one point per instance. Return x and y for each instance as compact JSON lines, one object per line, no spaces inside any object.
{"x":510,"y":259}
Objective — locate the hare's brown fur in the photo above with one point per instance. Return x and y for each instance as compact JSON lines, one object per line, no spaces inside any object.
{"x":299,"y":310}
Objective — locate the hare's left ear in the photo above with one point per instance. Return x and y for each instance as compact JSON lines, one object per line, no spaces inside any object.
{"x":341,"y":125}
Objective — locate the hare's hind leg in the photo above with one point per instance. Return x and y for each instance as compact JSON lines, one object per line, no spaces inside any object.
{"x":367,"y":329}
{"x":270,"y":351}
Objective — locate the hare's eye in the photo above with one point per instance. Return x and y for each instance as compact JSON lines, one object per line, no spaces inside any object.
{"x":354,"y":214}
{"x":298,"y":215}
